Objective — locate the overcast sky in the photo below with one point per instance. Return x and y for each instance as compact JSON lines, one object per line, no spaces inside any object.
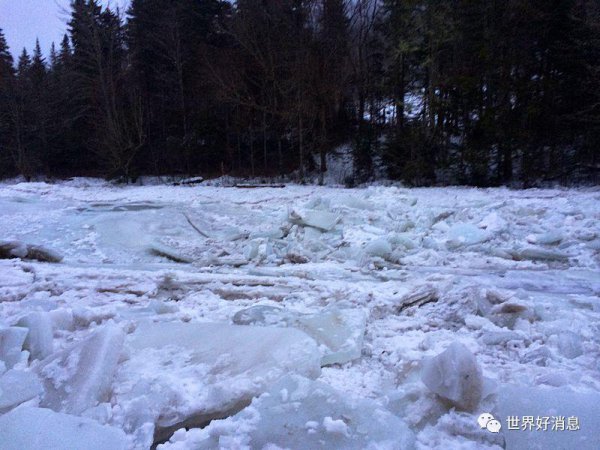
{"x":24,"y":20}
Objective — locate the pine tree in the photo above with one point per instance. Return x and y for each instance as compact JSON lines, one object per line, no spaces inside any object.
{"x":7,"y":75}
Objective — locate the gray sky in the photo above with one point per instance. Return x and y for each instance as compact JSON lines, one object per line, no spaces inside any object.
{"x":24,"y":20}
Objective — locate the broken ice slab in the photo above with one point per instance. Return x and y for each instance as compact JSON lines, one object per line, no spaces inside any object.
{"x":379,"y":247}
{"x":190,"y":373}
{"x":17,"y":249}
{"x":465,"y":234}
{"x":302,"y":414}
{"x":37,"y":428}
{"x":574,"y":417}
{"x":16,"y":387}
{"x":40,"y":339}
{"x":323,"y":220}
{"x":339,"y":333}
{"x":455,"y":376}
{"x":80,"y":377}
{"x":11,"y":344}
{"x":569,"y":344}
{"x":260,"y":248}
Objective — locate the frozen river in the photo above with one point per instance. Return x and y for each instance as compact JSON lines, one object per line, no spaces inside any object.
{"x":176,"y":306}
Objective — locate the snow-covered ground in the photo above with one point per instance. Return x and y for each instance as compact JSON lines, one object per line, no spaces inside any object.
{"x":304,"y":317}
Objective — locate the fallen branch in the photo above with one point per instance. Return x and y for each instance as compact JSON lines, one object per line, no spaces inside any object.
{"x":202,"y":233}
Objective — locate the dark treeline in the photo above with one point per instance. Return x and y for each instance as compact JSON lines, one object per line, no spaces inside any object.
{"x":459,"y":91}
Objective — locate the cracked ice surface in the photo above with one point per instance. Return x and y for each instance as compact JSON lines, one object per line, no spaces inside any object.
{"x":511,"y":276}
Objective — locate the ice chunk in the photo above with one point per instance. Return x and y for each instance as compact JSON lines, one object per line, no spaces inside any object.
{"x":190,"y":373}
{"x":404,"y":240}
{"x":323,"y":220}
{"x":465,"y":234}
{"x":40,"y":340}
{"x":16,"y":387}
{"x":493,"y":223}
{"x":301,"y":414}
{"x":569,"y":344}
{"x":62,"y":319}
{"x":455,"y":376}
{"x":339,"y":333}
{"x":11,"y":344}
{"x":37,"y":428}
{"x":574,"y":418}
{"x":500,"y":337}
{"x":549,"y":238}
{"x":263,"y":315}
{"x":79,"y":377}
{"x":379,"y":247}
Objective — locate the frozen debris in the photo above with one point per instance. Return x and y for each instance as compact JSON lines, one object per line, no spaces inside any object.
{"x":466,"y":234}
{"x":339,"y":333}
{"x":11,"y":344}
{"x":168,"y":252}
{"x":189,"y":181}
{"x":37,"y":428}
{"x":301,"y":414}
{"x":535,"y":254}
{"x":501,"y":309}
{"x":40,"y":339}
{"x":16,"y":249}
{"x":550,"y":238}
{"x":419,"y":297}
{"x":43,"y":254}
{"x":322,"y":220}
{"x":194,"y":226}
{"x":13,"y":249}
{"x":16,"y":387}
{"x":508,"y":313}
{"x":218,"y":368}
{"x":379,"y":247}
{"x":80,"y":377}
{"x":295,"y":257}
{"x":573,"y":419}
{"x":455,"y":376}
